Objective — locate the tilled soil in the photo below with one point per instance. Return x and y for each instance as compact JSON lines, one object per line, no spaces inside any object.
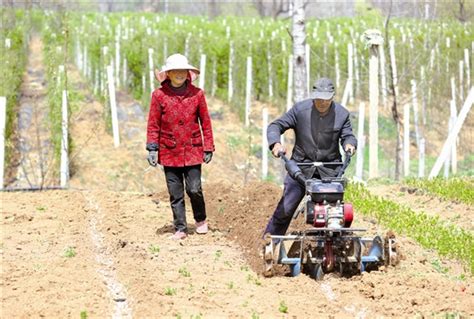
{"x":102,"y":248}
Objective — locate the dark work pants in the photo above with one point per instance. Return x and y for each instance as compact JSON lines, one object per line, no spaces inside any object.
{"x":293,"y":193}
{"x":174,"y":181}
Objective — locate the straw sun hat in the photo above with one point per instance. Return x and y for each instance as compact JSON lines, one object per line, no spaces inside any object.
{"x":176,"y":62}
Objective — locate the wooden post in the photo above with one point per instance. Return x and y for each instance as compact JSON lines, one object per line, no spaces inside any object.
{"x":248,"y":91}
{"x":230,"y":90}
{"x":289,"y":95}
{"x":64,"y":175}
{"x":421,"y":159}
{"x":264,"y":143}
{"x":445,"y":152}
{"x":113,"y":106}
{"x":202,"y":73}
{"x":361,"y":143}
{"x":406,"y":140}
{"x":3,"y":118}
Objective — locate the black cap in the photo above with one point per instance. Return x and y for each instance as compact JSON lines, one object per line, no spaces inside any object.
{"x":323,"y":89}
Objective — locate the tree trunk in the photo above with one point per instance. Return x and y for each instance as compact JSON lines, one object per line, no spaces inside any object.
{"x":299,"y":51}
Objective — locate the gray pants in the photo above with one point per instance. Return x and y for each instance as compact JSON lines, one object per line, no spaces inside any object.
{"x":176,"y":179}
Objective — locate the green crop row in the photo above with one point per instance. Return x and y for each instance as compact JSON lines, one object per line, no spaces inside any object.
{"x":264,"y":38}
{"x":457,"y":189}
{"x":12,"y":64}
{"x":430,"y":232}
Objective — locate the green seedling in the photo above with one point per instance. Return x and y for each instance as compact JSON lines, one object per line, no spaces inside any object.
{"x":244,"y":268}
{"x":154,"y":249}
{"x":230,"y":285}
{"x":69,"y":252}
{"x":170,"y":291}
{"x":439,"y":268}
{"x":220,"y":210}
{"x":283,"y":308}
{"x":218,"y":254}
{"x":255,"y":315}
{"x":41,"y":208}
{"x":83,"y":314}
{"x":184,"y":272}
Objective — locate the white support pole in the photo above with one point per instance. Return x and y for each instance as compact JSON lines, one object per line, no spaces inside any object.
{"x":383,"y":77}
{"x":117,"y":57}
{"x":64,"y":175}
{"x":468,"y":68}
{"x":289,"y":95}
{"x":151,"y":67}
{"x":270,"y":73}
{"x":338,"y":69}
{"x":415,"y":112}
{"x":248,"y":91}
{"x":361,"y":143}
{"x":264,"y":143}
{"x":124,"y":73}
{"x":202,"y":73}
{"x":230,"y":90}
{"x":350,"y":71}
{"x":3,"y":117}
{"x":445,"y":152}
{"x":406,"y":140}
{"x":113,"y":106}
{"x":308,"y":68}
{"x":214,"y":78}
{"x":421,"y":159}
{"x":373,"y":114}
{"x":461,"y":80}
{"x":452,"y":120}
{"x":423,"y":86}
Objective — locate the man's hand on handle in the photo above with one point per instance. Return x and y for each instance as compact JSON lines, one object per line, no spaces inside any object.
{"x":350,"y":149}
{"x":207,"y":157}
{"x":153,"y":158}
{"x":277,"y":149}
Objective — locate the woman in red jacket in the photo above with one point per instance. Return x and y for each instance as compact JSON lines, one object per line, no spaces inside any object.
{"x":179,"y":137}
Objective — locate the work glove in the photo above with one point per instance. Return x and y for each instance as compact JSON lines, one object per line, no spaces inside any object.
{"x":153,"y":158}
{"x":350,"y":149}
{"x":207,"y":157}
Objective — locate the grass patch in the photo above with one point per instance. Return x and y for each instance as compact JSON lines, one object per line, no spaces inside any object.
{"x":69,"y":252}
{"x":457,"y":189}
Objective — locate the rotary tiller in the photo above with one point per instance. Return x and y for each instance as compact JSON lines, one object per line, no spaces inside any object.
{"x":329,"y":244}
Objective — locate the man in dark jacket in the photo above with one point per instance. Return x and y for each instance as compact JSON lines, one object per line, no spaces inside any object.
{"x":320,"y":124}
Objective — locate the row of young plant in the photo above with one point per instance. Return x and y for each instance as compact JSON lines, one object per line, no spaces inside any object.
{"x":433,"y":48}
{"x":457,"y":189}
{"x":56,"y":47}
{"x":431,"y":232}
{"x":14,"y":48}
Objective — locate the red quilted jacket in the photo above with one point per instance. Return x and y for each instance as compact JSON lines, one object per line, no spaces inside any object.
{"x":175,"y":123}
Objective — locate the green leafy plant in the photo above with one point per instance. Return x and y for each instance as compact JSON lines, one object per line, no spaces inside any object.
{"x":69,"y":252}
{"x":283,"y":308}
{"x":84,"y":314}
{"x":170,"y":291}
{"x":184,"y":272}
{"x":457,"y":189}
{"x":154,"y":249}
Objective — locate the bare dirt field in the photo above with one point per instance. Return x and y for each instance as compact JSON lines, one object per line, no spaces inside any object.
{"x":102,"y":248}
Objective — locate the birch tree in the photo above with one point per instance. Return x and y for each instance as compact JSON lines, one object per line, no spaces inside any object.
{"x":299,"y":50}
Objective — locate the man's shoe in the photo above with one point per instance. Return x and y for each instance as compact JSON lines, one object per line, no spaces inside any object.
{"x":179,"y":235}
{"x":201,"y":227}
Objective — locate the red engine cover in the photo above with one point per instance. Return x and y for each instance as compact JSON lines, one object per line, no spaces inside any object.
{"x":319,"y":216}
{"x":348,"y":215}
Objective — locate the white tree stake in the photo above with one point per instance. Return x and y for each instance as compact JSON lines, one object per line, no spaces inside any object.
{"x":202,"y":73}
{"x":421,"y":160}
{"x":113,"y":106}
{"x":264,"y":143}
{"x":231,"y":65}
{"x":361,"y":143}
{"x":445,"y":152}
{"x":308,"y":68}
{"x":383,"y":77}
{"x":461,"y":80}
{"x":406,"y":140}
{"x":373,"y":115}
{"x":415,"y":112}
{"x":468,"y":68}
{"x":64,"y":175}
{"x":248,"y":91}
{"x":270,"y":73}
{"x":3,"y":117}
{"x":151,"y":68}
{"x":289,"y":95}
{"x":452,"y":120}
